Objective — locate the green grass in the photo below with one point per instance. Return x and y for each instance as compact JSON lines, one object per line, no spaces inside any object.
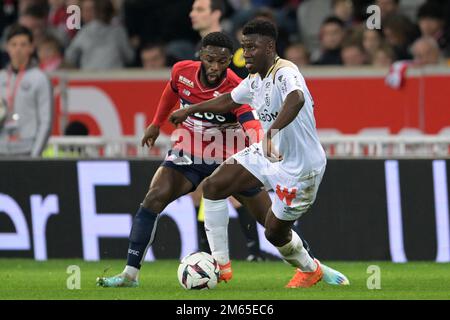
{"x":27,"y":279}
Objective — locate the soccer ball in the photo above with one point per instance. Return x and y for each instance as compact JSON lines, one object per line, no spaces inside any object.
{"x":198,"y":271}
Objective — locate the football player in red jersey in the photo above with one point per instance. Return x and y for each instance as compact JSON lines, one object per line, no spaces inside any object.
{"x":187,"y":164}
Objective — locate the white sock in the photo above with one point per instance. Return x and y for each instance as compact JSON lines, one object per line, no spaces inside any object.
{"x":216,"y":227}
{"x":132,"y":272}
{"x":296,"y":255}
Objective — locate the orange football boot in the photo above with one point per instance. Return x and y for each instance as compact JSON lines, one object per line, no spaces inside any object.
{"x":225,"y":272}
{"x":306,"y":279}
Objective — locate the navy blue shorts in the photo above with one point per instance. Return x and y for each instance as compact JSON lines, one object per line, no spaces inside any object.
{"x":196,"y":172}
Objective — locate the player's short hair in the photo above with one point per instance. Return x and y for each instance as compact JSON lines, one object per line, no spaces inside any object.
{"x":262,"y":27}
{"x":37,"y":11}
{"x":17,"y":30}
{"x":397,"y":2}
{"x":53,"y":42}
{"x":430,"y":10}
{"x":154,"y":45}
{"x":217,"y":39}
{"x":334,"y":20}
{"x":218,"y":5}
{"x":104,"y":10}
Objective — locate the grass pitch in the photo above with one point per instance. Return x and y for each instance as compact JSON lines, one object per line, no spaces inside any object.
{"x":27,"y":279}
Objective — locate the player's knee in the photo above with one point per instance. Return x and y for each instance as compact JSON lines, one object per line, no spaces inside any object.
{"x":156,"y":199}
{"x":211,"y":190}
{"x":275,"y":237}
{"x":271,"y":235}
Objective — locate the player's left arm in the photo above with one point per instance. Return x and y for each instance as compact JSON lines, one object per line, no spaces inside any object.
{"x":293,"y":100}
{"x":289,"y":111}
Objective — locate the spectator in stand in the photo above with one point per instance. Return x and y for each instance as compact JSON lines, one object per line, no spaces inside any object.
{"x":353,"y":54}
{"x":372,"y":40}
{"x":57,"y":14}
{"x":50,"y":54}
{"x":343,"y":9}
{"x":87,"y":11}
{"x":73,"y":2}
{"x":35,"y":18}
{"x":298,"y":54}
{"x":205,"y":16}
{"x":153,"y":57}
{"x":284,"y":13}
{"x":8,"y":13}
{"x":332,"y":33}
{"x":388,"y":7}
{"x":399,"y":32}
{"x":28,"y":97}
{"x":431,"y":21}
{"x":159,"y":21}
{"x":25,"y":4}
{"x":57,"y":17}
{"x":383,"y":57}
{"x":99,"y":45}
{"x":425,"y":52}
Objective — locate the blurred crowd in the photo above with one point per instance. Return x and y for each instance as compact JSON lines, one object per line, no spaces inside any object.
{"x":154,"y":34}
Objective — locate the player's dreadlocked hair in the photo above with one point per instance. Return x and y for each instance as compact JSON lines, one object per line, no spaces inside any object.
{"x":217,"y":39}
{"x":261,"y":27}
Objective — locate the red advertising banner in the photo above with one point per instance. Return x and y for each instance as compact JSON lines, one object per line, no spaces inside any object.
{"x":123,"y":105}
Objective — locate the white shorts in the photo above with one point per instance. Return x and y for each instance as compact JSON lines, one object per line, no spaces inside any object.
{"x":293,"y":195}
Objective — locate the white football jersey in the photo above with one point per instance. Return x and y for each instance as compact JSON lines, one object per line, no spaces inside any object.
{"x":298,"y":142}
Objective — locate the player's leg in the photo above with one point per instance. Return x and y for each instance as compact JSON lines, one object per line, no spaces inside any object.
{"x":260,"y":204}
{"x":200,"y":217}
{"x":293,"y":198}
{"x":254,"y":206}
{"x":296,"y":228}
{"x":228,"y":179}
{"x":167,"y":185}
{"x":257,"y":204}
{"x":249,"y":229}
{"x":279,"y":233}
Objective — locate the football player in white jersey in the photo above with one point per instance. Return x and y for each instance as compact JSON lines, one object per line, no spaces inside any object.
{"x":290,"y":160}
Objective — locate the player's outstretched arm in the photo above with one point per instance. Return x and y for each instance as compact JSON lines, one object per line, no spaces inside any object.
{"x":221,"y":104}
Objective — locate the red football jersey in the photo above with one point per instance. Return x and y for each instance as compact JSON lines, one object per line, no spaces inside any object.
{"x":211,"y":135}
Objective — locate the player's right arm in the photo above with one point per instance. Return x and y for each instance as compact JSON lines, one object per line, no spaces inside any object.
{"x":168,"y":100}
{"x":221,"y":104}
